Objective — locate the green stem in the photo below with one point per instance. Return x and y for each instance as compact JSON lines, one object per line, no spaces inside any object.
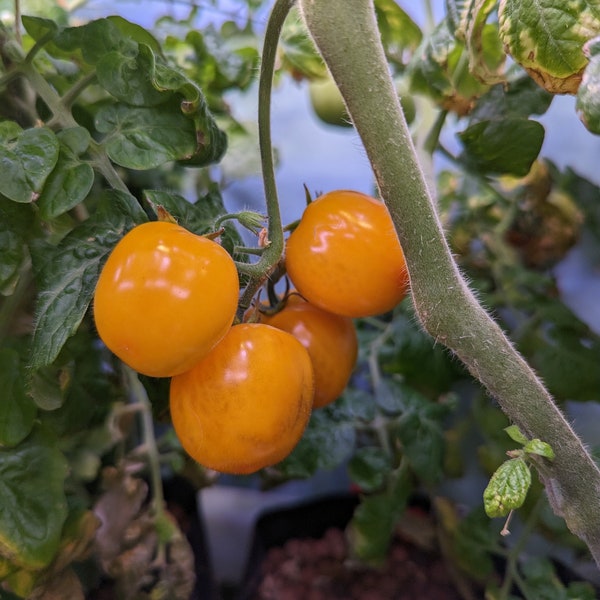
{"x":260,"y":271}
{"x":61,"y":115}
{"x":70,"y":95}
{"x":346,"y":34}
{"x":140,"y":398}
{"x":102,"y":164}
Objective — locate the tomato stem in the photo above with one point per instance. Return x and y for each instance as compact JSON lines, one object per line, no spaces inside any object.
{"x":140,"y":398}
{"x":259,"y":272}
{"x":347,"y":36}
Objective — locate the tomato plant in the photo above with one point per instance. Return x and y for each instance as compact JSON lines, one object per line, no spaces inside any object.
{"x":344,"y":256}
{"x":330,"y":340}
{"x":106,"y":125}
{"x":164,"y":298}
{"x":246,"y":404}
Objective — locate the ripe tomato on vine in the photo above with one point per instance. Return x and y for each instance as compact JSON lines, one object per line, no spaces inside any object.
{"x":246,"y":404}
{"x":344,"y":256}
{"x":330,"y":340}
{"x":164,"y":298}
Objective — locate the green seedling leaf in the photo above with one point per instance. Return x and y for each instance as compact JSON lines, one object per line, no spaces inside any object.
{"x":33,"y":506}
{"x":547,"y":38}
{"x":540,"y":448}
{"x":515,"y":434}
{"x":507,"y":488}
{"x":369,"y":468}
{"x":66,"y":274}
{"x":26,"y":160}
{"x":588,"y":102}
{"x":507,"y":146}
{"x":15,"y":228}
{"x":17,"y":410}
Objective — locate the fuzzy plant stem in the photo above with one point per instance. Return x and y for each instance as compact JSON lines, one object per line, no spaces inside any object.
{"x":346,"y":34}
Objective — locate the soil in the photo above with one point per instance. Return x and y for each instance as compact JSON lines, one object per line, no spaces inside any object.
{"x":320,"y":569}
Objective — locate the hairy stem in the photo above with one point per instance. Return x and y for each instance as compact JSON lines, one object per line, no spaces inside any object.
{"x":346,"y":34}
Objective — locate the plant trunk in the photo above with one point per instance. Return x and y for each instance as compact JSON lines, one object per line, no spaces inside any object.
{"x":346,"y":34}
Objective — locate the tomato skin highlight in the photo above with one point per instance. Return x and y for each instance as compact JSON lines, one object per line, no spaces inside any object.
{"x":246,"y":404}
{"x":344,"y":256}
{"x":330,"y":340}
{"x":164,"y":298}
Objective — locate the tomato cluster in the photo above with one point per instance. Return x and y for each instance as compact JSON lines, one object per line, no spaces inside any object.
{"x":241,"y":395}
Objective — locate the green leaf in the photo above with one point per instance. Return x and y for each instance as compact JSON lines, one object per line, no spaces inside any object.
{"x":398,"y":31}
{"x":200,"y":216}
{"x":540,"y":448}
{"x":507,"y":146}
{"x":33,"y":506}
{"x":518,"y":97}
{"x":438,"y":70}
{"x":67,"y":186}
{"x":507,"y":488}
{"x":66,"y":274}
{"x":468,"y":20}
{"x":357,"y":404}
{"x":588,"y":102}
{"x":146,"y":137}
{"x":566,"y":353}
{"x":17,"y":411}
{"x":515,"y":434}
{"x":197,"y":217}
{"x":15,"y":227}
{"x":326,"y":444}
{"x":38,"y":27}
{"x":26,"y":160}
{"x":421,"y":434}
{"x":130,"y":78}
{"x":547,"y":37}
{"x":372,"y":525}
{"x":225,"y":59}
{"x":410,"y":349}
{"x":369,"y":468}
{"x":298,"y":53}
{"x":389,"y":396}
{"x":98,"y":38}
